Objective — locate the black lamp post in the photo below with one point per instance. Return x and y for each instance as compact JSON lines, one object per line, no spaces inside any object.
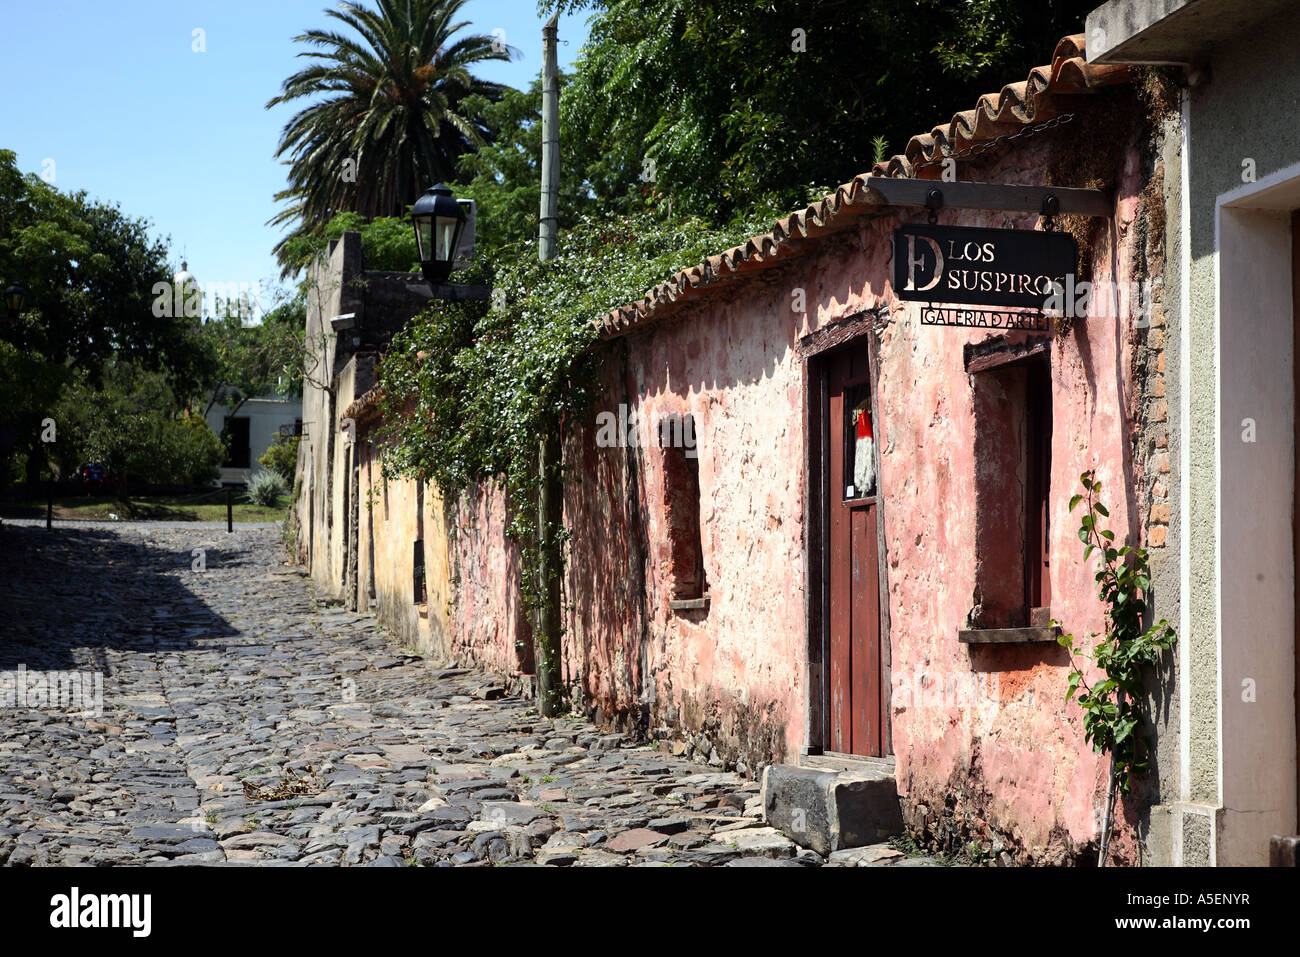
{"x":14,"y":297}
{"x":439,"y":221}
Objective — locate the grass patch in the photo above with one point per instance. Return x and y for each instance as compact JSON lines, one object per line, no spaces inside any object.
{"x":905,"y":843}
{"x":202,"y":507}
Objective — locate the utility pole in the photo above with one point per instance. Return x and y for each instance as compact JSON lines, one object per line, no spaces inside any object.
{"x":550,"y":140}
{"x":550,"y":493}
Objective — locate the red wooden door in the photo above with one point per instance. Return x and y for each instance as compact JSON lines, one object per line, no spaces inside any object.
{"x":856,"y":706}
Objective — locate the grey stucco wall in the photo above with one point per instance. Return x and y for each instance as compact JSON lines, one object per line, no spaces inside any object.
{"x":1240,"y":113}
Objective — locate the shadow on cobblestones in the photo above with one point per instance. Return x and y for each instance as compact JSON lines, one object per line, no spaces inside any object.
{"x":71,"y":592}
{"x":247,"y":722}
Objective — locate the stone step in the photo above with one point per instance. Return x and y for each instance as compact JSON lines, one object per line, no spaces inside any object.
{"x":827,"y":810}
{"x":846,"y":762}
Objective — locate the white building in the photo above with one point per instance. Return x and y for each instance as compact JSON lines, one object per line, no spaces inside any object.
{"x":253,"y":428}
{"x":254,"y":424}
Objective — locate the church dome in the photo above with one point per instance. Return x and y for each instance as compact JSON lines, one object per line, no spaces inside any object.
{"x":184,"y":278}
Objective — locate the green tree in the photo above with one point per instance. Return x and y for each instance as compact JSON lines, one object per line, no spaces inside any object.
{"x":719,"y":104}
{"x":91,"y":275}
{"x":388,"y":115}
{"x":281,"y":457}
{"x":504,"y":177}
{"x":285,"y":323}
{"x":250,"y":358}
{"x":31,"y":386}
{"x":130,"y":422}
{"x":387,"y":242}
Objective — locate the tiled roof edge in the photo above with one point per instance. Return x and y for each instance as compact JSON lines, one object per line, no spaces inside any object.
{"x":1044,"y":94}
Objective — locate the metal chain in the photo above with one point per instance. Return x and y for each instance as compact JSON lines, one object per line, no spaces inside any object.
{"x":981,"y":148}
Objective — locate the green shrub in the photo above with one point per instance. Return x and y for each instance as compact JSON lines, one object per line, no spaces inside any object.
{"x":189,"y":453}
{"x":282,"y":457}
{"x":133,"y":424}
{"x":266,"y":488}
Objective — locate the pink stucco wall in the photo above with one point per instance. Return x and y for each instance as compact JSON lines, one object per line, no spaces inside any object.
{"x":989,"y":739}
{"x":1018,"y":757}
{"x":981,"y":734}
{"x":731,"y":677}
{"x":487,"y":608}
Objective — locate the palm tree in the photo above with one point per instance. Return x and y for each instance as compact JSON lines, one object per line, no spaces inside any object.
{"x":394,"y":121}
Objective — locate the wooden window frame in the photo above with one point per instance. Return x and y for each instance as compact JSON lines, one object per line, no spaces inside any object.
{"x":1033,"y":354}
{"x":1038,"y":492}
{"x":681,"y":487}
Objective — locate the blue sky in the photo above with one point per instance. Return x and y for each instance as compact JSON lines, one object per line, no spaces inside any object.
{"x":114,"y":95}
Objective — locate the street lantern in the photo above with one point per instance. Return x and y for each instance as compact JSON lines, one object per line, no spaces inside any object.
{"x":438,"y":222}
{"x":14,"y":297}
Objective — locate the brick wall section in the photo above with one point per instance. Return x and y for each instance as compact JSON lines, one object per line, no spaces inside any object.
{"x":1152,"y":453}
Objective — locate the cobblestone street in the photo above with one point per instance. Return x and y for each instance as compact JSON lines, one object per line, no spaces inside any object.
{"x":242,"y":721}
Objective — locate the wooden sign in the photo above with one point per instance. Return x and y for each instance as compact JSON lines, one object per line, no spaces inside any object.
{"x":980,"y":267}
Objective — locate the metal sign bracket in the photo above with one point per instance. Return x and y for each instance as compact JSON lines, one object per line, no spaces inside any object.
{"x":933,"y":195}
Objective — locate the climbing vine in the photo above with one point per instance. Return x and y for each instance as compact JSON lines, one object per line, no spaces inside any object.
{"x":469,"y":388}
{"x":1113,"y":706}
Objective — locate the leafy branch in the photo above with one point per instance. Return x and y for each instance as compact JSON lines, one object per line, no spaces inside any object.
{"x":469,"y":388}
{"x":1113,"y":706}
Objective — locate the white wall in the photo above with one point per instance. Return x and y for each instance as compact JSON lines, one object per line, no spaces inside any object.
{"x":265,"y":416}
{"x":1256,"y":573}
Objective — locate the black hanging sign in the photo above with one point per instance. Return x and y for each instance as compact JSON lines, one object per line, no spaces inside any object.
{"x":980,"y":267}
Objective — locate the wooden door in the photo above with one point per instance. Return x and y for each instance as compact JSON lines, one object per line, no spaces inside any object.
{"x":855,"y":698}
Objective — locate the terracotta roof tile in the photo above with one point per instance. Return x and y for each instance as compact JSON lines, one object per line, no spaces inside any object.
{"x":1046,"y":93}
{"x":1049,"y":91}
{"x":364,"y":410}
